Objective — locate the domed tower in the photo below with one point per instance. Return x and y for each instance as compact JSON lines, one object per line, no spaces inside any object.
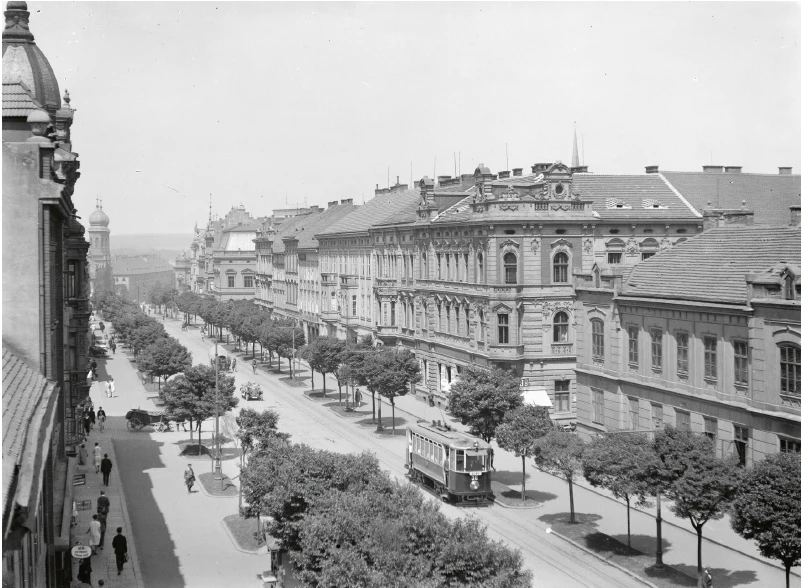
{"x":99,"y":256}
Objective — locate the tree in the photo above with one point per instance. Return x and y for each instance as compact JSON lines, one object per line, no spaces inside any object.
{"x":560,"y":454}
{"x":392,"y":374}
{"x":357,"y":367}
{"x":767,"y":509}
{"x":256,"y":428}
{"x":481,"y":397}
{"x":325,"y":355}
{"x":164,"y":358}
{"x":523,"y":426}
{"x":144,"y":335}
{"x":192,"y":396}
{"x":289,"y":340}
{"x":700,"y":485}
{"x":617,"y":462}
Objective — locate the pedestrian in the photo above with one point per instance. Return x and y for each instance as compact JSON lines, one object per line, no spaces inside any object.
{"x":94,"y":368}
{"x":234,"y":364}
{"x":94,"y":531}
{"x":111,"y":386}
{"x":106,"y":468}
{"x":254,"y":364}
{"x":102,"y":518}
{"x":85,"y":572}
{"x":97,"y":458}
{"x":182,"y":422}
{"x":121,"y":549}
{"x":705,"y":579}
{"x":102,"y":418}
{"x":102,"y":504}
{"x":114,"y":347}
{"x":92,"y":417}
{"x":190,"y":478}
{"x":83,"y":455}
{"x":106,"y":389}
{"x":85,"y":420}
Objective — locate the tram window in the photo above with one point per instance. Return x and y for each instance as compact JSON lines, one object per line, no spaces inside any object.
{"x":460,"y":457}
{"x":475,"y":463}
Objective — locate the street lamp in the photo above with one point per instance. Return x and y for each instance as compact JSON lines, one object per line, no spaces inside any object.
{"x":217,"y":460}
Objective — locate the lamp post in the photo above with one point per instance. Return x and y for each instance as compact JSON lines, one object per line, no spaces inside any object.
{"x":217,"y":460}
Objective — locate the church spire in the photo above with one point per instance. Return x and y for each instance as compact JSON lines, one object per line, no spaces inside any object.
{"x":575,"y":162}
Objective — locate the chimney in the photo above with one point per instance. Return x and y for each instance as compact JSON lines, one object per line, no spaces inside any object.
{"x":719,"y":217}
{"x":581,"y":169}
{"x":784,"y":171}
{"x":315,"y":208}
{"x":652,"y":169}
{"x":444,"y":179}
{"x":732,"y":169}
{"x":347,"y":201}
{"x":517,"y":171}
{"x":335,"y":202}
{"x":796,"y":216}
{"x":540,"y":167}
{"x":713,"y":169}
{"x":504,"y":174}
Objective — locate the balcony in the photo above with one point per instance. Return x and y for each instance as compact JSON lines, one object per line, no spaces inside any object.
{"x":506,"y":351}
{"x":348,"y":281}
{"x":455,"y":340}
{"x":386,"y":330}
{"x":328,"y":279}
{"x":562,"y":348}
{"x":330,"y":316}
{"x":385,"y":283}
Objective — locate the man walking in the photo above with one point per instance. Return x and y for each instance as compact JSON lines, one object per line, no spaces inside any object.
{"x":94,"y":367}
{"x":234,"y":364}
{"x":106,"y":468}
{"x":254,"y":364}
{"x":85,"y":420}
{"x":102,"y":518}
{"x":102,"y":503}
{"x":120,"y":548}
{"x":97,"y":458}
{"x":190,"y":478}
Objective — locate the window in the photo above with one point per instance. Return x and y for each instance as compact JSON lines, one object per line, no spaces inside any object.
{"x":468,"y":323}
{"x":457,"y":320}
{"x":710,"y":358}
{"x":634,"y":413}
{"x":502,"y":324}
{"x":423,"y":266}
{"x":656,"y":349}
{"x":248,"y":282}
{"x":424,"y":372}
{"x":510,"y":268}
{"x":231,"y":281}
{"x":647,"y":254}
{"x":392,"y":312}
{"x":741,"y":363}
{"x":711,"y":430}
{"x":597,"y":339}
{"x":789,"y":445}
{"x":479,"y":268}
{"x":615,"y":257}
{"x":633,"y":346}
{"x":480,"y":326}
{"x":682,"y":420}
{"x":465,"y":267}
{"x":656,"y":416}
{"x":562,"y":396}
{"x":682,"y":342}
{"x":560,"y":325}
{"x":596,"y":277}
{"x":460,"y":456}
{"x":790,"y":369}
{"x":597,"y":407}
{"x":741,"y":442}
{"x":71,"y":284}
{"x":560,"y":262}
{"x":788,"y":288}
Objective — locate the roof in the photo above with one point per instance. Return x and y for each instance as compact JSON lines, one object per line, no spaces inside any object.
{"x":452,"y":436}
{"x":18,"y":100}
{"x":305,"y":238}
{"x":638,"y":194}
{"x":768,"y":195}
{"x":713,"y":266}
{"x":23,"y":388}
{"x":376,"y":210}
{"x":288,"y":227}
{"x":238,"y":240}
{"x":460,"y":211}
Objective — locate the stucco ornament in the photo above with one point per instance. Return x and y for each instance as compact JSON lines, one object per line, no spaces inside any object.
{"x":588,"y":245}
{"x":551,"y":307}
{"x":535,"y":246}
{"x":631,"y":246}
{"x":665,"y":243}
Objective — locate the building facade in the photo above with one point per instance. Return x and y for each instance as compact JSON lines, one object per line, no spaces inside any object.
{"x":100,"y":259}
{"x":135,"y":275}
{"x":712,"y":347}
{"x":46,"y":313}
{"x":182,"y":273}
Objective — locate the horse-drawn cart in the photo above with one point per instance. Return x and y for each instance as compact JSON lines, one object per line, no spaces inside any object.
{"x":138,"y":418}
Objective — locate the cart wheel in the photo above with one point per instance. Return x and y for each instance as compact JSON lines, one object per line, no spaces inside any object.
{"x":135,"y":424}
{"x":130,"y":425}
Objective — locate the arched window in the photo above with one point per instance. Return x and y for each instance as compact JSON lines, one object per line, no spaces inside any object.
{"x":560,"y":326}
{"x":560,"y":264}
{"x":597,"y":339}
{"x":424,"y":275}
{"x":480,"y":268}
{"x":510,"y":268}
{"x":480,"y":328}
{"x":596,"y":277}
{"x":790,"y":369}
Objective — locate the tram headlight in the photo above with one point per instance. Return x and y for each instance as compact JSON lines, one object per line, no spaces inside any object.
{"x":474,"y":484}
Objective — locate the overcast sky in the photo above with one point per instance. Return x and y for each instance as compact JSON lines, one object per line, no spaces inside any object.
{"x":269,"y":103}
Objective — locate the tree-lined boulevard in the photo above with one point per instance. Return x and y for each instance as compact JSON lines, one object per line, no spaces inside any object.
{"x":544,"y":554}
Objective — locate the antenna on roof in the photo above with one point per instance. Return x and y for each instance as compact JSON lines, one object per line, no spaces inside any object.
{"x":506,"y":157}
{"x":459,"y":167}
{"x":434,"y":172}
{"x":583,"y":152}
{"x":388,"y":177}
{"x":411,"y":184}
{"x":454,"y":161}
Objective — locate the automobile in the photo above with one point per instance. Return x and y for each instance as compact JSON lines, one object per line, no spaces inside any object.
{"x":252,"y":391}
{"x":96,"y":351}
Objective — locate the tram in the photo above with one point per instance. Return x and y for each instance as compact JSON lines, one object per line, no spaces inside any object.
{"x":455,"y":464}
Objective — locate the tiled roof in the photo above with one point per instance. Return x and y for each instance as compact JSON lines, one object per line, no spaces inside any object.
{"x":459,"y":211}
{"x":22,"y":390}
{"x":768,"y":195}
{"x":713,"y":266}
{"x":375,"y":211}
{"x":289,"y":226}
{"x":332,"y":214}
{"x":239,"y":241}
{"x":634,"y":192}
{"x":18,"y":100}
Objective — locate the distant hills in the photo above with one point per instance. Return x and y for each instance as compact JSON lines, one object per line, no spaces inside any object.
{"x":166,"y":245}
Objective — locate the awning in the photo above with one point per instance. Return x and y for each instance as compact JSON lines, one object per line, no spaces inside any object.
{"x":536,"y":397}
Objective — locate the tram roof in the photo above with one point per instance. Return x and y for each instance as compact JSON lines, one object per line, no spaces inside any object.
{"x":451,"y":437}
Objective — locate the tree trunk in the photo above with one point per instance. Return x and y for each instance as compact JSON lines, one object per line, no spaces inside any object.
{"x":628,"y":519}
{"x":323,"y":383}
{"x":788,"y":575}
{"x":373,"y":408}
{"x":393,"y":407}
{"x":192,"y":429}
{"x":199,"y":451}
{"x":291,"y":377}
{"x":698,"y":547}
{"x":572,"y":503}
{"x":524,"y":475}
{"x":339,"y":390}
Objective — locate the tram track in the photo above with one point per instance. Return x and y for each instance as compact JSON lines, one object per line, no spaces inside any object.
{"x":584,"y":570}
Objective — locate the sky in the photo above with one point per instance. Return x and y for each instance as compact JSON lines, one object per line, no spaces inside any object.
{"x":280,"y":104}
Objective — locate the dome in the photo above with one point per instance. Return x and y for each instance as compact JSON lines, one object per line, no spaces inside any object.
{"x":24,"y":62}
{"x":99,"y":218}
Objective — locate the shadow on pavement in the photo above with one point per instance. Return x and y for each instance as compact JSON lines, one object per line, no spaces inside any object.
{"x":581,"y":518}
{"x":508,"y":478}
{"x":723,"y":577}
{"x":339,"y":408}
{"x":386,"y":422}
{"x":644,"y":543}
{"x":534,"y":495}
{"x":158,"y":562}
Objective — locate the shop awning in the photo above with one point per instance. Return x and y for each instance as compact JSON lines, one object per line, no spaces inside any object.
{"x":536,"y":397}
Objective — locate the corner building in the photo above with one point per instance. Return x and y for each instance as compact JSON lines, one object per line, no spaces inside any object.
{"x":480,"y":270}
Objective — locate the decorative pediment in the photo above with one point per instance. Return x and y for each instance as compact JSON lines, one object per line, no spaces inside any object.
{"x":595,"y":312}
{"x":509,"y":243}
{"x":561,"y":243}
{"x":230,"y":272}
{"x":615,"y":244}
{"x":247,"y":271}
{"x":550,"y":308}
{"x":510,"y":194}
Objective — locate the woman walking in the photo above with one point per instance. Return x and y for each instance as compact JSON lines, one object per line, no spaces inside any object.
{"x":94,"y":531}
{"x":190,"y":478}
{"x":83,"y":455}
{"x":97,"y":458}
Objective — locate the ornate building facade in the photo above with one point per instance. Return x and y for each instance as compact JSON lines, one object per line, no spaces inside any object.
{"x":46,"y":313}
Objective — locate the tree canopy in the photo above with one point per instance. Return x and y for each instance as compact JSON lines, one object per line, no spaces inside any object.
{"x":392,"y":373}
{"x":163,"y":358}
{"x":481,"y":397}
{"x":522,"y":427}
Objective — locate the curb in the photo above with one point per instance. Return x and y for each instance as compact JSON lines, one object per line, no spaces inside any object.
{"x":607,"y":561}
{"x":131,"y":543}
{"x":205,"y":492}
{"x":503,"y":505}
{"x":259,"y":551}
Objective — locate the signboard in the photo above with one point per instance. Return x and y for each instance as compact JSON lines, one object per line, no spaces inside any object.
{"x":84,"y":505}
{"x":78,"y":479}
{"x":81,"y":552}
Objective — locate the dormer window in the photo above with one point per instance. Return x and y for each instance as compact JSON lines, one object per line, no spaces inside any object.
{"x":613,"y":203}
{"x":650,"y":203}
{"x":788,"y":288}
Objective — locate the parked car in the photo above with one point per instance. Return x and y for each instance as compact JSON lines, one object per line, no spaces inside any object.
{"x":252,"y":391}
